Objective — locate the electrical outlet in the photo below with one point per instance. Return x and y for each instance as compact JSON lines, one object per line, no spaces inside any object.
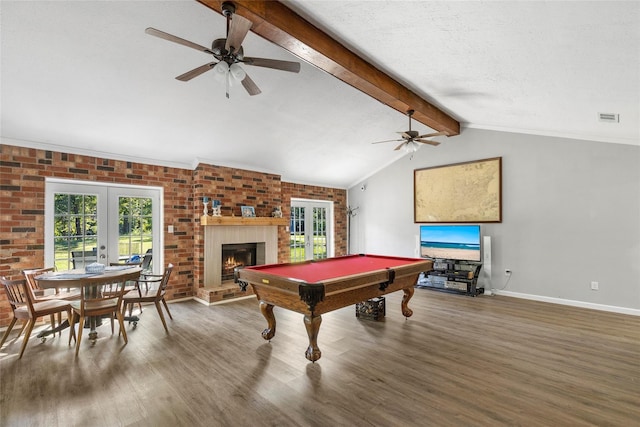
{"x":595,"y":286}
{"x":507,"y":272}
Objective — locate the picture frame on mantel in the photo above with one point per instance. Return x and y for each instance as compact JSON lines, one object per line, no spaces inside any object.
{"x":248,"y":211}
{"x":469,"y":192}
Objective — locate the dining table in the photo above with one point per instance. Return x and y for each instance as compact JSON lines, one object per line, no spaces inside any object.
{"x":80,"y":278}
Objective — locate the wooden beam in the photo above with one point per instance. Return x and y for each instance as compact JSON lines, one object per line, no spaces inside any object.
{"x":277,"y":23}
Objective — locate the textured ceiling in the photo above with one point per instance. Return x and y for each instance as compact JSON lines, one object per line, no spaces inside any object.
{"x":82,"y":76}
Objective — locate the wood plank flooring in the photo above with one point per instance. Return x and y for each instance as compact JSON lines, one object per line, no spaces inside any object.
{"x":459,"y":361}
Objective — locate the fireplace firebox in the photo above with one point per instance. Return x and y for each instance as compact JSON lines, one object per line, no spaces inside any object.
{"x":237,"y":255}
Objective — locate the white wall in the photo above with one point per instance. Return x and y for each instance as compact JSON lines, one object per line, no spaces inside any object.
{"x":571,"y":215}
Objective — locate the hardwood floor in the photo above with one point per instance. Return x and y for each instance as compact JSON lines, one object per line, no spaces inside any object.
{"x":459,"y":361}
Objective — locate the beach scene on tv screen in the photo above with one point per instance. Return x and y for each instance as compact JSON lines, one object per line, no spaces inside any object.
{"x":458,"y":242}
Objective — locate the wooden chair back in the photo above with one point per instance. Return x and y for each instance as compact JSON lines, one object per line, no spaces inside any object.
{"x":100,"y":299}
{"x":146,"y":260}
{"x":38,"y":294}
{"x":35,"y":290}
{"x":162,"y":286}
{"x":80,"y":259}
{"x":18,"y":295}
{"x":153,"y":285}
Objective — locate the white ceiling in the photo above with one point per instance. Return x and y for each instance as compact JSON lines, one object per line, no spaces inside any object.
{"x":82,"y":76}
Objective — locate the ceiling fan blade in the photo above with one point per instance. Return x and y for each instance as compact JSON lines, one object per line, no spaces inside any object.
{"x":399,"y":146}
{"x":388,"y":140}
{"x":196,"y":72}
{"x":237,"y":32}
{"x":429,"y":135}
{"x":427,"y":141}
{"x":250,"y":86}
{"x":405,"y":135}
{"x":175,"y":39}
{"x":276,"y":64}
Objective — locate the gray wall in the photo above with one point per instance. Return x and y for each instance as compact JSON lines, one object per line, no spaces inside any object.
{"x":571,"y":215}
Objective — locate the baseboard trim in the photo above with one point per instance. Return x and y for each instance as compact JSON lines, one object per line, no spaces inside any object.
{"x":573,"y":303}
{"x":224,"y":301}
{"x":179,"y":300}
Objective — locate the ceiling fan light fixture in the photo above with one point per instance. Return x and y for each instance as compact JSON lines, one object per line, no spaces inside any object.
{"x":411,"y":147}
{"x":237,"y":72}
{"x":220,"y":70}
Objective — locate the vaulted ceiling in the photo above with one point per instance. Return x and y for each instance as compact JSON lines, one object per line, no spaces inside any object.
{"x":84,"y":77}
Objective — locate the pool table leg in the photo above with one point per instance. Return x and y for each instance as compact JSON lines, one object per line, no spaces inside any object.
{"x":267,"y":312}
{"x":408,"y":293}
{"x":312,"y":323}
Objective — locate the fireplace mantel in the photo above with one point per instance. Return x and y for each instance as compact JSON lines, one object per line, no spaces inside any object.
{"x":239,"y":220}
{"x":220,"y":230}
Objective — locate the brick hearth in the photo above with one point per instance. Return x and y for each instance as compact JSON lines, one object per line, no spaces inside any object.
{"x":226,"y":291}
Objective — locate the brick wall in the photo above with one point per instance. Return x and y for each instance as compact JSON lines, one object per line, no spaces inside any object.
{"x":22,"y":179}
{"x":234,"y":188}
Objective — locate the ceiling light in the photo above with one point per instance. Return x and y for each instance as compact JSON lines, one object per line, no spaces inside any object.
{"x":411,"y":147}
{"x":237,"y":72}
{"x":220,"y":70}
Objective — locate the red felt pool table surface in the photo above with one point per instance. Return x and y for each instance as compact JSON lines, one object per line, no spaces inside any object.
{"x":317,"y":271}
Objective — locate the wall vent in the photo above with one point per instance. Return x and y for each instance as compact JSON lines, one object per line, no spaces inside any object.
{"x":609,"y":117}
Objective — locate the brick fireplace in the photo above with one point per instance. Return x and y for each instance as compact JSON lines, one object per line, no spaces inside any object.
{"x":237,"y":233}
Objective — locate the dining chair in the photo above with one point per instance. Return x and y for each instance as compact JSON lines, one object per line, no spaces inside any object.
{"x":144,"y":262}
{"x":38,"y":293}
{"x":96,"y":301}
{"x":151,"y":288}
{"x":24,"y":308}
{"x":81,"y":259}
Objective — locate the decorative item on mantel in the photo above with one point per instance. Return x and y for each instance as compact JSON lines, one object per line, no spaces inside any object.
{"x":215,"y":207}
{"x":205,"y":202}
{"x":277,"y":212}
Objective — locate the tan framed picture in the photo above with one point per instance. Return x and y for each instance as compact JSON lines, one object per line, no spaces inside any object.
{"x":248,"y":211}
{"x":460,"y":192}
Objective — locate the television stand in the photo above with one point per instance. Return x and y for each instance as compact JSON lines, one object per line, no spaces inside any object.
{"x":453,"y":276}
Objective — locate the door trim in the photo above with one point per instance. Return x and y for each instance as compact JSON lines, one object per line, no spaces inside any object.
{"x":329,"y":205}
{"x":48,"y":223}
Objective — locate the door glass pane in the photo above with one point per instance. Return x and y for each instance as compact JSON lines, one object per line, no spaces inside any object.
{"x":135,"y":224}
{"x":309,"y":230}
{"x":296,"y":234}
{"x":75,"y":230}
{"x":319,"y":233}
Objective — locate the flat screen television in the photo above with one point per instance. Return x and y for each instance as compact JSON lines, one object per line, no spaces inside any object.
{"x":450,"y":242}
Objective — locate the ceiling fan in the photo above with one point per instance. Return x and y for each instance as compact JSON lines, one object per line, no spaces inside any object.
{"x":411,"y":139}
{"x":228,"y":53}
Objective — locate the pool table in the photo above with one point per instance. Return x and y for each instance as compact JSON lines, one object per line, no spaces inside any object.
{"x":316,"y":287}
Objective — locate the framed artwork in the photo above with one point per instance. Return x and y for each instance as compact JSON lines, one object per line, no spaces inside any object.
{"x":460,"y":192}
{"x":248,"y":211}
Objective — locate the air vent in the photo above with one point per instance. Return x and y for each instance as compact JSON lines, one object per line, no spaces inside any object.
{"x":609,"y":117}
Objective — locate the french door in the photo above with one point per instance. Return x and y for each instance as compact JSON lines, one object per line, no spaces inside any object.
{"x":90,"y":222}
{"x":310,"y":230}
